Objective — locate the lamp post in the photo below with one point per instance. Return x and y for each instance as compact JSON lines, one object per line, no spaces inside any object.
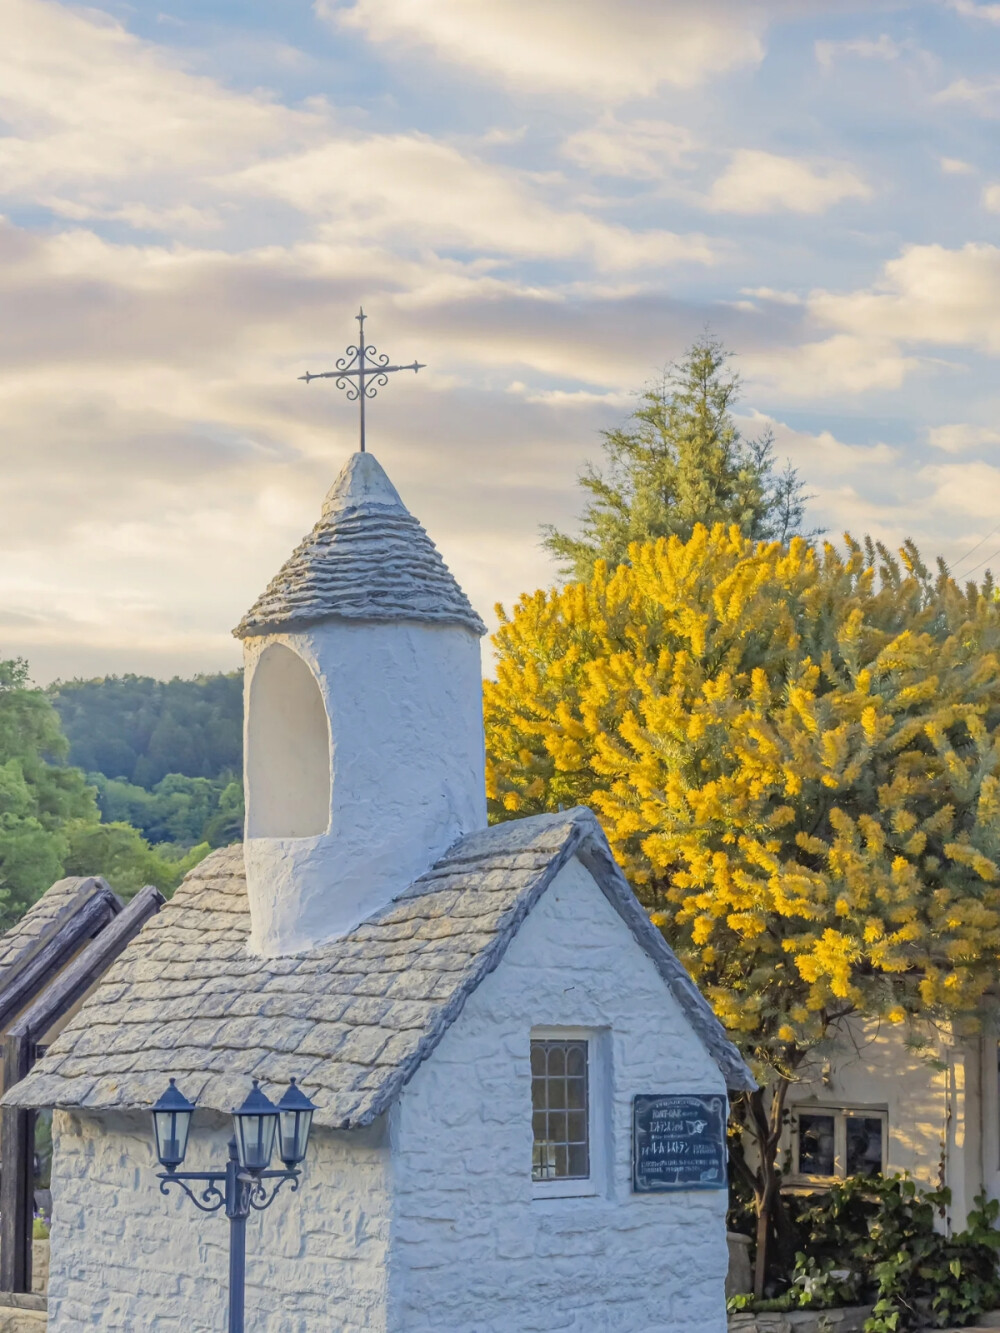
{"x":241,"y":1187}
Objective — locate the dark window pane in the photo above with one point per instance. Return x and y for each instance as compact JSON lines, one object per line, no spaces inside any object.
{"x":816,"y":1145}
{"x":864,"y":1145}
{"x":579,"y":1164}
{"x":561,"y":1148}
{"x":576,"y":1093}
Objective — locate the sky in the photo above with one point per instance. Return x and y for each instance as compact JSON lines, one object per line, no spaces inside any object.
{"x":546,"y":201}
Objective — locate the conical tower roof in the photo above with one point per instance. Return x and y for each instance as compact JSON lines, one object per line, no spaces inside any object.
{"x":366,"y":559}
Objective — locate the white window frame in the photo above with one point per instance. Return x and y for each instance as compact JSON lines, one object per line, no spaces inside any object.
{"x":598,"y":1118}
{"x":840,"y":1112}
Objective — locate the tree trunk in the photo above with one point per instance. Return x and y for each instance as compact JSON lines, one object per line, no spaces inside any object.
{"x":764,"y":1123}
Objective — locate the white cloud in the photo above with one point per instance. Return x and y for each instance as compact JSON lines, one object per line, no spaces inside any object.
{"x":856,"y":488}
{"x":773,"y":295}
{"x":983,"y":97}
{"x":866,"y":48}
{"x":991,"y":198}
{"x":954,"y":166}
{"x":98,"y":122}
{"x":101,"y":126}
{"x":590,"y":48}
{"x":929,"y":294}
{"x":958,"y":437}
{"x":638,"y":149}
{"x":760,"y":182}
{"x":416,"y":191}
{"x":968,"y":490}
{"x":886,"y":491}
{"x":842,"y":364}
{"x":989,"y":13}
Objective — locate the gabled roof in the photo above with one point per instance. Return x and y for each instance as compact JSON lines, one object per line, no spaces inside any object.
{"x":366,"y":559}
{"x":352,"y":1019}
{"x":55,"y":905}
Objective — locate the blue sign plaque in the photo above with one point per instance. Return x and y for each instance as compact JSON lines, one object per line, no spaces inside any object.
{"x":678,"y":1142}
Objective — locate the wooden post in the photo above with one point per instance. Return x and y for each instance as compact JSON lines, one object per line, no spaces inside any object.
{"x":16,"y":1175}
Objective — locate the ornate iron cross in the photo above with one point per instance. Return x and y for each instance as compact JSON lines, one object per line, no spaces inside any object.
{"x":362,"y":371}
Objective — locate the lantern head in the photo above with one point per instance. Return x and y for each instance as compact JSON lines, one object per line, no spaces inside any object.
{"x":255,"y":1121}
{"x":295,"y":1113}
{"x":171,"y":1126}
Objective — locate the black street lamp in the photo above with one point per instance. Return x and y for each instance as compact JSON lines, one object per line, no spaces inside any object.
{"x":256,"y":1123}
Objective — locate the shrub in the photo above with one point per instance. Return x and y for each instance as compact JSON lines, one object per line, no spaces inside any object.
{"x":876,"y":1237}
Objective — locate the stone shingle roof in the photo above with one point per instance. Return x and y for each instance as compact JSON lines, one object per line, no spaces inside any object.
{"x":366,"y":559}
{"x":64,"y":897}
{"x":352,"y":1019}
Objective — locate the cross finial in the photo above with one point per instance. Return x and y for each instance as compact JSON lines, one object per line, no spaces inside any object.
{"x":361,"y":371}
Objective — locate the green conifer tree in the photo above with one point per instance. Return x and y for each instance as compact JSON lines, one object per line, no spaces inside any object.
{"x":679,"y":460}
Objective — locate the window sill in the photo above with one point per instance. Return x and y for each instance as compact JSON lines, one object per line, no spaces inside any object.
{"x":564,"y":1189}
{"x":810,"y":1184}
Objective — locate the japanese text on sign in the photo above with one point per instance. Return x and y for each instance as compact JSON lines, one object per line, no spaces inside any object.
{"x":678,"y":1142}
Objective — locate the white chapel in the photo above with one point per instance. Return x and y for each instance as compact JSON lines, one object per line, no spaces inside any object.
{"x":521,"y":1094}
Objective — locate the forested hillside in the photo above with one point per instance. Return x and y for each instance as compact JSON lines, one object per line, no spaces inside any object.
{"x":140,"y":729}
{"x":165,"y":757}
{"x":55,"y":820}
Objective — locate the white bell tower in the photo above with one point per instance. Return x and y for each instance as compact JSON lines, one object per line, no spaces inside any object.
{"x":363,"y":720}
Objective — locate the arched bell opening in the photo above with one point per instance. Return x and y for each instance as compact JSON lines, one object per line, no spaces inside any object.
{"x":288,"y":749}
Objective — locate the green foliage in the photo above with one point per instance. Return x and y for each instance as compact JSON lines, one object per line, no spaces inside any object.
{"x":816,"y":1284}
{"x":679,"y":460}
{"x":876,"y":1237}
{"x":50,"y":822}
{"x":142,"y":730}
{"x":178,"y":810}
{"x":39,"y":794}
{"x":226,"y":825}
{"x":125,"y":859}
{"x":39,"y":1229}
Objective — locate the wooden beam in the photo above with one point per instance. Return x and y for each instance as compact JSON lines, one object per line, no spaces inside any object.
{"x":56,"y":947}
{"x":86,"y":969}
{"x":16,"y":1174}
{"x":17,"y":1126}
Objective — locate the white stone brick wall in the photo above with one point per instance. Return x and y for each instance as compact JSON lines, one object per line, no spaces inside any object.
{"x":472,"y":1251}
{"x":447,"y":1237}
{"x":126,"y":1258}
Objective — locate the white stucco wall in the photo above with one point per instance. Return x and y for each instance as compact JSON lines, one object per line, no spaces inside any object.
{"x":472,"y":1251}
{"x":426,"y":1222}
{"x":932,"y":1102}
{"x":405,"y":710}
{"x":127,"y":1260}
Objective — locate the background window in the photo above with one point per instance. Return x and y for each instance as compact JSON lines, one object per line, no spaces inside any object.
{"x":560,"y":1103}
{"x":816,"y":1150}
{"x":864,"y":1145}
{"x":835,"y":1142}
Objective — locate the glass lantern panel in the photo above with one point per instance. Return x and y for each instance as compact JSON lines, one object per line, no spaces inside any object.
{"x":293,"y":1135}
{"x":171,"y":1129}
{"x":256,"y":1140}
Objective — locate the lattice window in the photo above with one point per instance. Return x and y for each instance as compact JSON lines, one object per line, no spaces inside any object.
{"x":560,"y":1102}
{"x":834,"y":1142}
